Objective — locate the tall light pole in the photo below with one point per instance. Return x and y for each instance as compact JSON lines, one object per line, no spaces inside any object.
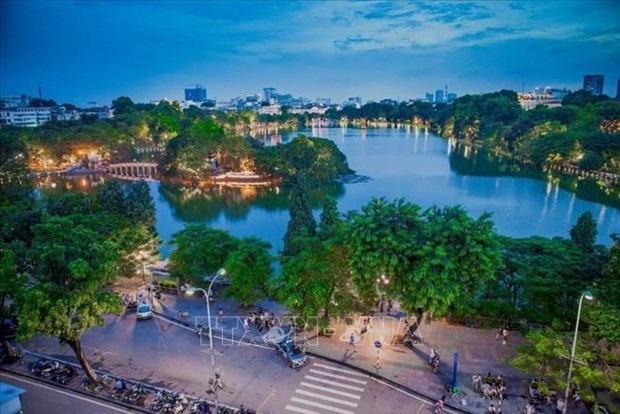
{"x":207,"y":293}
{"x":382,"y":280}
{"x":588,"y":296}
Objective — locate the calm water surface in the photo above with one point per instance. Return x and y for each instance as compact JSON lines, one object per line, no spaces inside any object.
{"x":418,"y":167}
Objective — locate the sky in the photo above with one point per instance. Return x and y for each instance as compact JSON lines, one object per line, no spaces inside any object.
{"x":89,"y":51}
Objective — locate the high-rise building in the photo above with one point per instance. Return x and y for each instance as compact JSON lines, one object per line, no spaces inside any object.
{"x":430,"y":97}
{"x":593,"y":84}
{"x":269,"y":94}
{"x":439,"y":96}
{"x":451,"y":97}
{"x":196,"y":94}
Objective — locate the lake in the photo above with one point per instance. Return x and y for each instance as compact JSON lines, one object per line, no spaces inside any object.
{"x":419,"y":167}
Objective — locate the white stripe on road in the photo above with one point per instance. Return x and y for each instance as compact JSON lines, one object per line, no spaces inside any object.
{"x":346,"y":371}
{"x":337,"y":384}
{"x":69,"y":394}
{"x":326,"y":398}
{"x":299,"y":410}
{"x":318,"y":387}
{"x":341,"y":377}
{"x":319,"y":405}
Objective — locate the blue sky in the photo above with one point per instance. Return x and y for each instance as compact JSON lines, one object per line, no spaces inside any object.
{"x":81,"y":51}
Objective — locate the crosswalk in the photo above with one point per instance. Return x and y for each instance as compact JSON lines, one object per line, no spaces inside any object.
{"x":327,"y":389}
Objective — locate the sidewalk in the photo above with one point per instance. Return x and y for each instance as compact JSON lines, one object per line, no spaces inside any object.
{"x":478,"y":351}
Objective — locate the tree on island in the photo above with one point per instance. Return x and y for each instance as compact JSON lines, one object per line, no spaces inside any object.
{"x":302,"y":221}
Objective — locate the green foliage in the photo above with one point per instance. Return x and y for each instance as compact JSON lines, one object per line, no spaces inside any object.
{"x":123,"y":105}
{"x":200,"y":251}
{"x":111,"y":197}
{"x":302,"y":221}
{"x":249,"y":269}
{"x":139,"y":205}
{"x":11,"y":282}
{"x":583,"y":233}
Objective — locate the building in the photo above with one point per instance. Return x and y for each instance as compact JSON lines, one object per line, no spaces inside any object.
{"x":593,"y":84}
{"x":355,"y":101}
{"x":100,"y":112}
{"x":269,"y":94}
{"x":439,"y":96}
{"x":25,"y":117}
{"x":549,"y":97}
{"x":196,"y":94}
{"x":618,"y":90}
{"x":323,"y":102}
{"x":451,"y":97}
{"x":270,"y":110}
{"x":430,"y":97}
{"x":21,"y":101}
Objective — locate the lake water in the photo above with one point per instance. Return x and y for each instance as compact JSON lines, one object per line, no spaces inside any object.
{"x":418,"y":167}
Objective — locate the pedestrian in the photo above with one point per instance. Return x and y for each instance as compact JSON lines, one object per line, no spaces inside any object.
{"x":351,"y":341}
{"x":246,"y":324}
{"x":491,"y":409}
{"x":559,"y":406}
{"x":476,"y":382}
{"x":389,"y":307}
{"x":504,"y":335}
{"x":220,"y":315}
{"x":432,"y":356}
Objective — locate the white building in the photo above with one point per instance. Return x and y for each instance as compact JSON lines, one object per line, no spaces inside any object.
{"x":25,"y":117}
{"x":270,"y":110}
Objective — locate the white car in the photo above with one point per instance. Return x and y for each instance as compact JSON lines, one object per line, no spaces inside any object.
{"x":144,"y":311}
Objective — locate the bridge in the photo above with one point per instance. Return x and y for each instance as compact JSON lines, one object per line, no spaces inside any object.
{"x":135,"y":171}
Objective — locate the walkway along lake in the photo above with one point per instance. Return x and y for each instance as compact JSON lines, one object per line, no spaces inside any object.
{"x":421,"y":168}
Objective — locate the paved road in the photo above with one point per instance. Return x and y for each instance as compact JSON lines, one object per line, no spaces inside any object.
{"x":42,"y":398}
{"x":169,"y":355}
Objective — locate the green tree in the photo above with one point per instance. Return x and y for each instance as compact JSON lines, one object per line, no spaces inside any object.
{"x":74,"y":263}
{"x":11,"y":282}
{"x":382,"y":238}
{"x":583,"y":233}
{"x":199,"y":251}
{"x":139,"y":205}
{"x":302,"y":221}
{"x":123,"y":105}
{"x":249,"y":268}
{"x":457,"y":256}
{"x":111,"y":197}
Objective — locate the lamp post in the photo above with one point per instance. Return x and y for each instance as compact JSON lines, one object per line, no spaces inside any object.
{"x":207,"y":293}
{"x":385,"y":281}
{"x":588,"y":296}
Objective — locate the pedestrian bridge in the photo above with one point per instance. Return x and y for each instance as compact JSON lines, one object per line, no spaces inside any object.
{"x":135,"y":171}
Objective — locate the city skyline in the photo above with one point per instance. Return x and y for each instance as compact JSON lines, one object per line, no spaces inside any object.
{"x":93,"y":51}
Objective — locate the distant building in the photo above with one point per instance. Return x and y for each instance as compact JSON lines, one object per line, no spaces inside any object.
{"x":270,"y":110}
{"x":430,"y":97}
{"x":100,"y":112}
{"x":21,"y":101}
{"x":548,"y":96}
{"x":269,"y":94}
{"x":439,"y":96}
{"x":25,"y":117}
{"x":451,"y":97}
{"x":618,"y":90}
{"x":593,"y":84}
{"x":196,"y":94}
{"x":323,"y":101}
{"x":355,"y":101}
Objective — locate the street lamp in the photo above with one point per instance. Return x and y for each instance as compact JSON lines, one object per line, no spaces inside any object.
{"x":207,"y":293}
{"x":588,"y":296}
{"x":385,"y":281}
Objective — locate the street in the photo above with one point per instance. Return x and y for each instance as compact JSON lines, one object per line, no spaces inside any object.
{"x":169,"y":355}
{"x":42,"y":398}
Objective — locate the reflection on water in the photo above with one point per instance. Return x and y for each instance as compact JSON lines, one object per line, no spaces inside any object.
{"x":416,"y":166}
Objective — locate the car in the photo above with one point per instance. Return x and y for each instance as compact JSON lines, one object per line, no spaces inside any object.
{"x":291,"y":352}
{"x":144,"y":311}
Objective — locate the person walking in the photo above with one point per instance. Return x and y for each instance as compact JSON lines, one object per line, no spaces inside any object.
{"x":220,"y":316}
{"x":476,"y":382}
{"x":352,"y":341}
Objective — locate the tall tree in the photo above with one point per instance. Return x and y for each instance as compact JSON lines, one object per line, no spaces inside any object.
{"x":74,"y":263}
{"x":140,"y":207}
{"x":199,"y":251}
{"x":302,"y":221}
{"x":249,"y":269}
{"x":11,"y":282}
{"x":583,"y":233}
{"x":382,"y":239}
{"x":111,"y":197}
{"x":123,"y":105}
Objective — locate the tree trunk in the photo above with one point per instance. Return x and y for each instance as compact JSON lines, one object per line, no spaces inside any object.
{"x":76,"y":345}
